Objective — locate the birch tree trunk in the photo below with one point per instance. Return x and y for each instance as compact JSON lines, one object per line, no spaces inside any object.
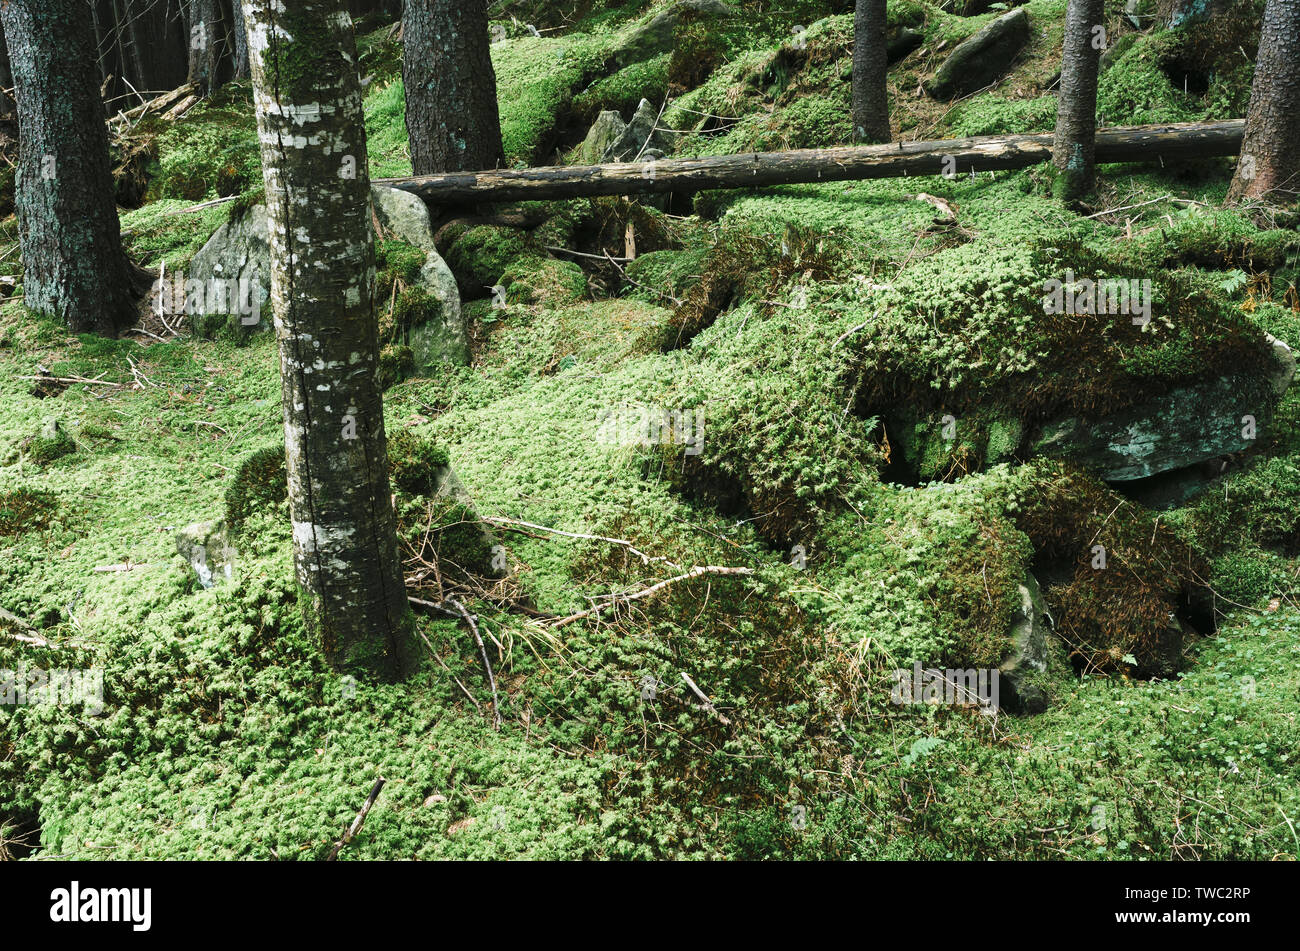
{"x":1074,"y":147}
{"x":73,"y":264}
{"x":451,"y":89}
{"x":870,"y":70}
{"x":1269,"y":166}
{"x":308,"y":100}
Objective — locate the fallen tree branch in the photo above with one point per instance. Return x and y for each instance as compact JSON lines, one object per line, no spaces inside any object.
{"x":950,"y":157}
{"x":459,"y":612}
{"x":508,"y":522}
{"x":708,"y":704}
{"x":353,"y":829}
{"x":652,"y":590}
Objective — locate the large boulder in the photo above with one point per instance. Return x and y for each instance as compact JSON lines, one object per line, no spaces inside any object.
{"x":239,"y":251}
{"x":1186,"y":426}
{"x":980,"y":60}
{"x":443,"y":338}
{"x":658,"y":34}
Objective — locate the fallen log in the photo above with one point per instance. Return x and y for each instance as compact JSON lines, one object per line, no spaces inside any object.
{"x":1150,"y":143}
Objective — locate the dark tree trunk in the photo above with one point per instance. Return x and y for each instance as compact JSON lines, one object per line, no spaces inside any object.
{"x":1074,"y":146}
{"x":206,"y":33}
{"x":7,"y":108}
{"x":313,"y":136}
{"x":1269,"y":166}
{"x":73,"y":264}
{"x":239,"y":37}
{"x":870,"y":69}
{"x":451,"y":90}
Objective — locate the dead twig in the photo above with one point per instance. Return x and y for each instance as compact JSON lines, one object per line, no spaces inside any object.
{"x":457,"y":610}
{"x":353,"y":829}
{"x":652,"y":590}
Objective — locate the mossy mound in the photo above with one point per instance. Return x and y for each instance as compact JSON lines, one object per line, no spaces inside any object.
{"x":25,"y":510}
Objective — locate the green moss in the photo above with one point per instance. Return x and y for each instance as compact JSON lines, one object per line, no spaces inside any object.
{"x":212,"y":152}
{"x":623,"y":90}
{"x":993,"y":115}
{"x":415,"y":463}
{"x":162,"y":232}
{"x":549,"y":282}
{"x":481,"y":255}
{"x":259,"y":484}
{"x":52,"y":444}
{"x":25,"y":510}
{"x":387,"y":144}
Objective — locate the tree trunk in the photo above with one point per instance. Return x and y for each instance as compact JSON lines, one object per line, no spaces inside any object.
{"x":870,"y":69}
{"x":73,"y":264}
{"x":1151,"y":143}
{"x":239,"y":57}
{"x":1074,"y":146}
{"x":206,"y":32}
{"x":308,"y":100}
{"x":7,"y":110}
{"x":451,"y":90}
{"x":1269,"y":166}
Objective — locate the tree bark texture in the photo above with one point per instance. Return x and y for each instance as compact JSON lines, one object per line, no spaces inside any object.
{"x":73,"y":264}
{"x":1074,"y":147}
{"x":870,"y":69}
{"x":1269,"y":166}
{"x":451,"y":94}
{"x":308,"y":101}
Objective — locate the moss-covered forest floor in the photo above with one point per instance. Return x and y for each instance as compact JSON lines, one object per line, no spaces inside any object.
{"x":823,"y":331}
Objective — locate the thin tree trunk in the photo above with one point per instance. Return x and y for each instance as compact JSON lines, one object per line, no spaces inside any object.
{"x":1074,"y":146}
{"x":73,"y":264}
{"x":206,"y":34}
{"x":1269,"y":166}
{"x":451,"y":89}
{"x":308,"y":100}
{"x":870,"y":70}
{"x":239,"y":58}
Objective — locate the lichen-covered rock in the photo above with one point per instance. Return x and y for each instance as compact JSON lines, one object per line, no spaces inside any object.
{"x":604,"y":132}
{"x":984,"y":57}
{"x":1180,"y":428}
{"x":239,"y":251}
{"x":206,"y":546}
{"x":642,"y":138}
{"x":1021,"y":672}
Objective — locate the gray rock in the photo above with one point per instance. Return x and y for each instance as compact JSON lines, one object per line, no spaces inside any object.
{"x":1021,"y":672}
{"x":1189,"y":12}
{"x":239,"y":250}
{"x":642,"y":138}
{"x":1284,"y":365}
{"x":206,"y":546}
{"x":980,"y":60}
{"x":604,"y":132}
{"x":1176,"y":430}
{"x":443,"y":338}
{"x":657,"y":35}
